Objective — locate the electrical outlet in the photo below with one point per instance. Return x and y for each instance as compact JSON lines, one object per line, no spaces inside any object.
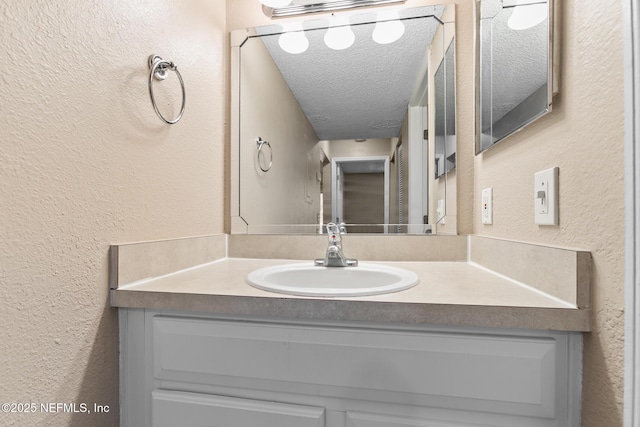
{"x":487,"y":206}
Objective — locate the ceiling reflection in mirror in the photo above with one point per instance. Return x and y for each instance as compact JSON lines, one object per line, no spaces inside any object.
{"x":340,"y":143}
{"x":515,"y":54}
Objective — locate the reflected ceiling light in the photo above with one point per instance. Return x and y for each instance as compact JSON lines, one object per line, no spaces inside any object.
{"x":389,"y":28}
{"x":275,"y":3}
{"x":527,"y":16}
{"x":293,"y":40}
{"x":339,"y":36}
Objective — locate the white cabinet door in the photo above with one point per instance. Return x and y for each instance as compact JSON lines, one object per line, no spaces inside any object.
{"x":182,"y":409}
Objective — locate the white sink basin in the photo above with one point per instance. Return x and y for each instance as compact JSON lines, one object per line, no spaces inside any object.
{"x":307,"y":279}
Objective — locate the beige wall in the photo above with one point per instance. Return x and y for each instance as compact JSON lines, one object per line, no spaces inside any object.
{"x":289,"y":193}
{"x":465,"y":117}
{"x":583,"y":136}
{"x":85,"y":162}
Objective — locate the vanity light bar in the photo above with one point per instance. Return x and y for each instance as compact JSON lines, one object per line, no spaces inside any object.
{"x":329,"y":6}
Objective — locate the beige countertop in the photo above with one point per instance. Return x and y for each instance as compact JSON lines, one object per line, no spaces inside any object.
{"x":449,"y":293}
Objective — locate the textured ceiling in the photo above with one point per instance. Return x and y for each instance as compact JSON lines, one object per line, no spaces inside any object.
{"x":362,"y":91}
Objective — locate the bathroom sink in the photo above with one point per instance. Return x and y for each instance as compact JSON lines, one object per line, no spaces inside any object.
{"x":306,"y":279}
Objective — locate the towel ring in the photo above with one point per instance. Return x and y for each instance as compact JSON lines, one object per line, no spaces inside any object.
{"x":160,"y":70}
{"x":261,"y":143}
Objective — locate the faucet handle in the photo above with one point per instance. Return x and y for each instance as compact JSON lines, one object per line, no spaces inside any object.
{"x":334,"y":256}
{"x":334,"y":233}
{"x":332,"y":228}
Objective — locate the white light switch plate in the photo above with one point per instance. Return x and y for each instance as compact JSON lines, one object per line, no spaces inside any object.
{"x":487,"y":206}
{"x":545,"y":194}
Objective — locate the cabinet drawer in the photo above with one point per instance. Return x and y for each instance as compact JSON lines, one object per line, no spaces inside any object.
{"x":176,"y":408}
{"x":480,"y":372}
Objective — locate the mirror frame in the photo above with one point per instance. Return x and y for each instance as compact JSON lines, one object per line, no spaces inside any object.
{"x":238,"y":224}
{"x":553,"y":61}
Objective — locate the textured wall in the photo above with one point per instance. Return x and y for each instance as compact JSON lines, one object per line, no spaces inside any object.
{"x":583,"y":136}
{"x":84,"y":162}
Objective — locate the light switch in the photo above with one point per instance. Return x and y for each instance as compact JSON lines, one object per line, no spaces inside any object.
{"x":487,"y":206}
{"x":545,"y":195}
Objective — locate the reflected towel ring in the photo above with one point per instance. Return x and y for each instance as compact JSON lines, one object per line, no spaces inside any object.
{"x":261,"y":143}
{"x":159,"y":69}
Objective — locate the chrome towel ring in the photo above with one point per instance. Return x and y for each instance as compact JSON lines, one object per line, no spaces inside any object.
{"x":160,"y":70}
{"x":261,"y":143}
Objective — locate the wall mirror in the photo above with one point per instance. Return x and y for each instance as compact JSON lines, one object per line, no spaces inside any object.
{"x":514,"y":85}
{"x":334,"y":119}
{"x":445,"y":113}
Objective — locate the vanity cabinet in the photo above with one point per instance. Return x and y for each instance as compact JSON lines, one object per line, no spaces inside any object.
{"x":194,"y":370}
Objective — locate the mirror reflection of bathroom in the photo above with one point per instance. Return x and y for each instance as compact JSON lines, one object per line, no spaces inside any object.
{"x":359,"y":194}
{"x":352,"y":128}
{"x":445,"y":133}
{"x":515,"y":54}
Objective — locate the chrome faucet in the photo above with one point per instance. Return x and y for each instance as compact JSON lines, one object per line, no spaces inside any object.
{"x":334,"y":256}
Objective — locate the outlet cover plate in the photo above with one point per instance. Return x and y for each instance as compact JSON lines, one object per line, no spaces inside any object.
{"x":487,"y":206}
